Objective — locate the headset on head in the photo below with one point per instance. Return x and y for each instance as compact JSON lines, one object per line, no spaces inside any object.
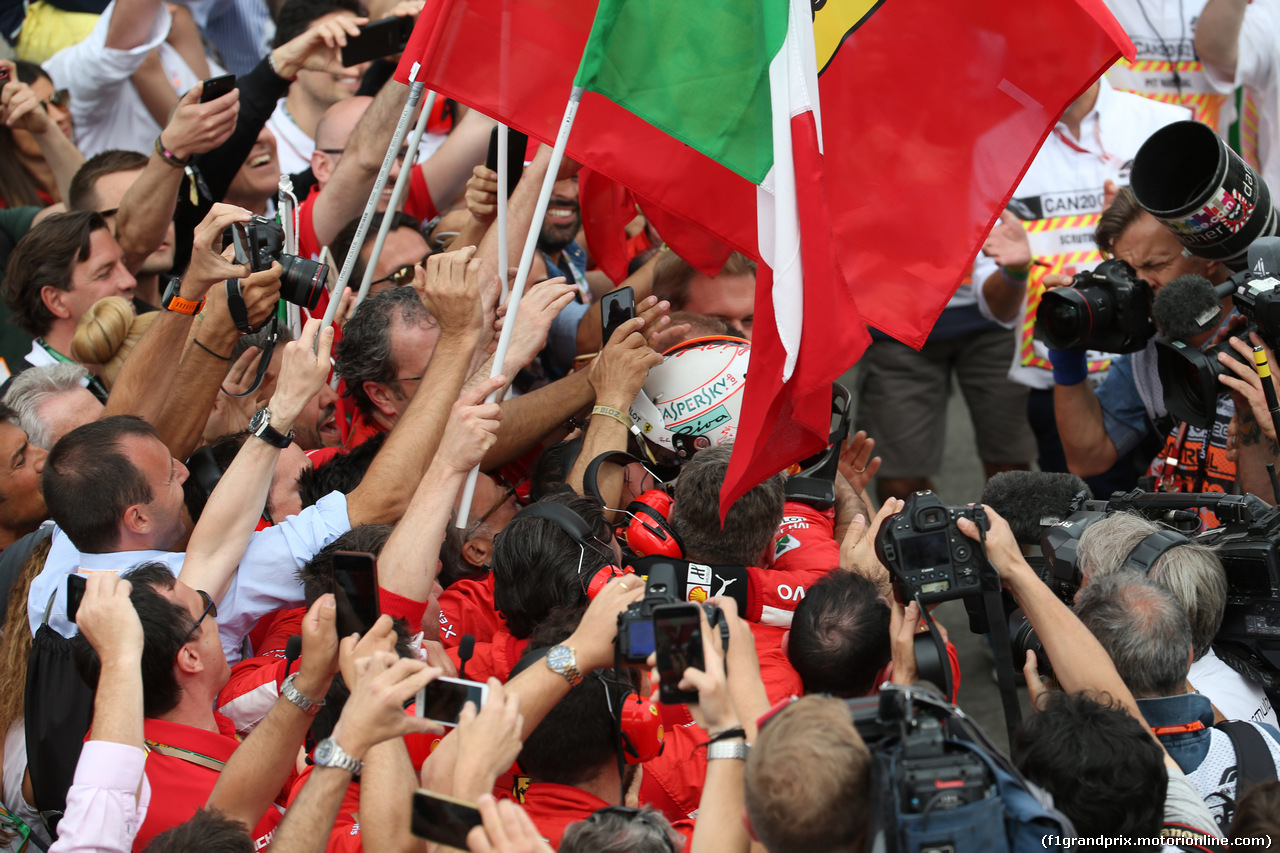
{"x":648,"y":533}
{"x":577,"y":529}
{"x":1153,"y":547}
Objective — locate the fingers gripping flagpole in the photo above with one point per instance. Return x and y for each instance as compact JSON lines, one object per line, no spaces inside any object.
{"x":522,"y":274}
{"x":504,"y":181}
{"x":393,"y":205}
{"x":415,"y":95}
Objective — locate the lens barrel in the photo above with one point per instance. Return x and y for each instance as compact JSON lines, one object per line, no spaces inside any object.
{"x":1202,"y":191}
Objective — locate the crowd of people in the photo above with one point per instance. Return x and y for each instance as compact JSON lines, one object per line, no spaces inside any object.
{"x":240,"y":552}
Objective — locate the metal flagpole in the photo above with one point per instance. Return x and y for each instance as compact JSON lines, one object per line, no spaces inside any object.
{"x":503,"y":180}
{"x":402,"y":181}
{"x":522,"y":274}
{"x":415,"y":95}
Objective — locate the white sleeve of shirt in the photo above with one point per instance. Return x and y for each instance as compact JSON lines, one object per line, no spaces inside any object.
{"x":1258,"y":49}
{"x":94,"y":73}
{"x":267,"y":578}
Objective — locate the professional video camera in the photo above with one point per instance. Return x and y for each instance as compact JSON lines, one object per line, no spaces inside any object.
{"x":1107,"y":308}
{"x":1247,"y":542}
{"x":1188,"y":375}
{"x":260,"y":241}
{"x":636,"y":634}
{"x":938,"y":782}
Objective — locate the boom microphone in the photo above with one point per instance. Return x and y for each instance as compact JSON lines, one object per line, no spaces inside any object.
{"x":1186,"y":307}
{"x":1032,"y":500}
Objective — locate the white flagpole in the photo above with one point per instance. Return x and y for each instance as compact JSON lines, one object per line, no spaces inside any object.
{"x":503,"y":181}
{"x":522,"y":275}
{"x":415,"y":95}
{"x":393,"y":205}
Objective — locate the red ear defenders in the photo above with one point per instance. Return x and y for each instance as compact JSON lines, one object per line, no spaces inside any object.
{"x":647,"y":533}
{"x":641,"y":729}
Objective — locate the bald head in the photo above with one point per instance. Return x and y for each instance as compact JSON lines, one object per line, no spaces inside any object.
{"x":332,"y":133}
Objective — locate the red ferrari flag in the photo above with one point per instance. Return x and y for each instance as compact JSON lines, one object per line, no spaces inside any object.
{"x":866,"y":154}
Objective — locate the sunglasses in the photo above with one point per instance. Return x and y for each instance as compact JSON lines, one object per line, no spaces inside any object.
{"x":507,"y":491}
{"x":210,"y":609}
{"x":60,"y":99}
{"x":403,"y":275}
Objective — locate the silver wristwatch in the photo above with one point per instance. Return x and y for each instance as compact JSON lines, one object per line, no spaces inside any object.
{"x":728,"y":749}
{"x":329,"y":754}
{"x":294,"y":695}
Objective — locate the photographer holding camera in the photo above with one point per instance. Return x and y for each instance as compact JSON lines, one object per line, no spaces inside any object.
{"x":1059,"y":748}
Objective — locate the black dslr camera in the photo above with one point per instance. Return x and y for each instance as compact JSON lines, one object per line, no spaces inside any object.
{"x":260,"y":241}
{"x":1106,"y":309}
{"x":927,"y":553}
{"x":637,"y":637}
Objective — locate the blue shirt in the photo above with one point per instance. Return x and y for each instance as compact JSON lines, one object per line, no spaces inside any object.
{"x":265,"y":581}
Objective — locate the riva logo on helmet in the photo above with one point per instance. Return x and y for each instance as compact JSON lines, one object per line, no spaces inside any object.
{"x":703,"y":423}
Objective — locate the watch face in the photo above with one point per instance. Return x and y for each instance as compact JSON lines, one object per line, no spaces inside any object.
{"x":324,"y":752}
{"x":558,"y":658}
{"x":259,"y":420}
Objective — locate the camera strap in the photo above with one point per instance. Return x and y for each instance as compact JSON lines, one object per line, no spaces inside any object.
{"x":264,"y":357}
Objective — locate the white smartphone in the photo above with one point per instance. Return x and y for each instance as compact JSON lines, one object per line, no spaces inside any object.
{"x":441,"y":700}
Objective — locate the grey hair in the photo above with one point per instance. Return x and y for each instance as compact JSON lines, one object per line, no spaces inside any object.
{"x":1143,"y":628}
{"x":365,"y":352}
{"x":615,"y":832}
{"x":32,"y":387}
{"x":749,"y":526}
{"x":1192,"y":573}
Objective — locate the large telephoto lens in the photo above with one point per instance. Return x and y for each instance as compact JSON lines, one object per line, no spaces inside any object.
{"x":1212,"y":201}
{"x":1189,"y":377}
{"x":1067,"y":316}
{"x":302,"y":281}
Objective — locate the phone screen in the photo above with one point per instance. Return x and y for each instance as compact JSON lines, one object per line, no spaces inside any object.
{"x":355,"y":590}
{"x":75,"y":593}
{"x":677,"y":634}
{"x":443,"y":819}
{"x":441,"y":701}
{"x":616,"y":307}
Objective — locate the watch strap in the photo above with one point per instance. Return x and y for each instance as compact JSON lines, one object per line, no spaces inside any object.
{"x":728,"y":749}
{"x":308,"y":706}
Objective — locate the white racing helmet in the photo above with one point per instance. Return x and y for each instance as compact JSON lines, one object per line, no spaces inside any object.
{"x":691,"y":401}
